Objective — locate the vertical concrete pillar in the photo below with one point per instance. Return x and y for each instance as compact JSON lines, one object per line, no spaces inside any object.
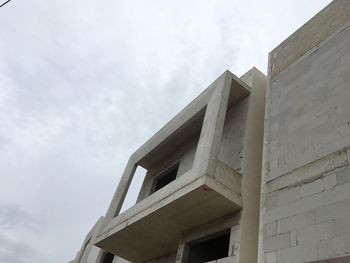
{"x":251,"y":168}
{"x":88,"y":243}
{"x":213,"y":124}
{"x":122,"y":189}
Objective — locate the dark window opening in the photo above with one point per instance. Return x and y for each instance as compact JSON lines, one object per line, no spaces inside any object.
{"x":165,"y":178}
{"x":209,"y":249}
{"x":107,"y":258}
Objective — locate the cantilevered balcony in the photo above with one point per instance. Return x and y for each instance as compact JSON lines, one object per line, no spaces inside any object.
{"x":210,"y":190}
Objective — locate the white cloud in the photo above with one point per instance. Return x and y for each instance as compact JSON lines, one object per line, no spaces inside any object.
{"x":84,"y":83}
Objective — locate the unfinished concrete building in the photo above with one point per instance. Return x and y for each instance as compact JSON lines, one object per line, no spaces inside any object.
{"x":199,"y":201}
{"x":208,"y":167}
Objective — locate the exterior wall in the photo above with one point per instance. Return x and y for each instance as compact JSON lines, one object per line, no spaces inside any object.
{"x":231,"y":147}
{"x":306,"y":178}
{"x":324,"y":24}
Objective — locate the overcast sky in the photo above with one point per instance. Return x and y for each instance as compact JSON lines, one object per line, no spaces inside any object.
{"x":84,"y":83}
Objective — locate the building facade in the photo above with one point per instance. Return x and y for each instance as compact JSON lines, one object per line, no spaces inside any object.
{"x":243,"y":177}
{"x":306,"y":177}
{"x":202,"y":186}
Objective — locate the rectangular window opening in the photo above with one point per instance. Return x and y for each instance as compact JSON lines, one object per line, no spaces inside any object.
{"x":107,"y":258}
{"x":210,"y":248}
{"x":134,"y":189}
{"x":165,"y":177}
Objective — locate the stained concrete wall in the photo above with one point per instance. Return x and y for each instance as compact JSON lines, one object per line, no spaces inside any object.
{"x":231,"y":148}
{"x":306,"y":179}
{"x":322,"y":25}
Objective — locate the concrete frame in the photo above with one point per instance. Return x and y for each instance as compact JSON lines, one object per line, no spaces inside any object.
{"x":201,"y":125}
{"x":214,"y":101}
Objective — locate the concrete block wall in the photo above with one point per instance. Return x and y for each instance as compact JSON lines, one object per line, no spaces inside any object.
{"x":309,"y":222}
{"x":309,"y":107}
{"x":305,"y":209}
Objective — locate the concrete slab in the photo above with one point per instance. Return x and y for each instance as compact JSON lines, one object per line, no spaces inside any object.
{"x":156,"y":230}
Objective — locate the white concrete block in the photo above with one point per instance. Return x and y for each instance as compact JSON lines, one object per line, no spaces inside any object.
{"x":270,"y":201}
{"x":342,"y":225}
{"x":271,"y":257}
{"x":276,"y":213}
{"x":312,"y":188}
{"x":298,"y":254}
{"x":332,"y":211}
{"x":297,"y":221}
{"x":288,"y":196}
{"x":235,"y":237}
{"x":329,"y":181}
{"x":343,"y":176}
{"x":270,"y":229}
{"x":225,"y":260}
{"x":306,"y":204}
{"x":334,"y":247}
{"x":315,"y":233}
{"x":276,"y":242}
{"x":341,"y":192}
{"x":293,"y":238}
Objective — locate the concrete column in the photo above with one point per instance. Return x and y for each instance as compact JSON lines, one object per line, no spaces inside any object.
{"x":251,"y":167}
{"x":122,"y":189}
{"x":213,"y":124}
{"x":88,"y":243}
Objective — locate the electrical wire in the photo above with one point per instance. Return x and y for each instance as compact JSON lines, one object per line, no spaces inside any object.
{"x":1,"y":5}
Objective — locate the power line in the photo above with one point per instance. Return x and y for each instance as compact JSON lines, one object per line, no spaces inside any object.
{"x":5,"y":3}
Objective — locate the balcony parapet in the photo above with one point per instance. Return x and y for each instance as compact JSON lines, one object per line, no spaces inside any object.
{"x":153,"y":227}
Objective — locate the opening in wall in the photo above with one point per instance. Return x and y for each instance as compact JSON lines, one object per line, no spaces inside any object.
{"x":107,"y":258}
{"x":209,"y":248}
{"x":165,"y":177}
{"x":134,"y":189}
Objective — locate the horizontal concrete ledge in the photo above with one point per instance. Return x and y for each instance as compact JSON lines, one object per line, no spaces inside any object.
{"x":153,"y":227}
{"x":333,"y":260}
{"x":310,"y":172}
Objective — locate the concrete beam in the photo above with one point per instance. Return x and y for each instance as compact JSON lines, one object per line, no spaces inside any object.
{"x":209,"y":142}
{"x":122,"y":189}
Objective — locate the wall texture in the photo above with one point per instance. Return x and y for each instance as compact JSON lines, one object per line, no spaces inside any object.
{"x":306,"y":179}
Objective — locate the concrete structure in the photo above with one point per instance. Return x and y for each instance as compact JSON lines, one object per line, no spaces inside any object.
{"x":202,"y":186}
{"x":306,"y":176}
{"x":208,"y":166}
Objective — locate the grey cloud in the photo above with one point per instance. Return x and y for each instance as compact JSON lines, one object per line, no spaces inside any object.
{"x":19,"y":252}
{"x":15,"y":223}
{"x":12,"y":216}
